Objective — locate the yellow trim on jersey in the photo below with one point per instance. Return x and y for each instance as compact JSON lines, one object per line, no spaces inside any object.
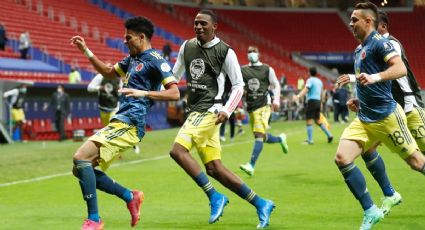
{"x":169,"y":79}
{"x":390,"y":55}
{"x":119,"y":70}
{"x":377,"y":36}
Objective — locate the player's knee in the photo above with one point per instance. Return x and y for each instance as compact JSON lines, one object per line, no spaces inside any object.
{"x":174,"y":154}
{"x":74,"y":171}
{"x":212,"y":169}
{"x":340,"y":160}
{"x":417,"y":165}
{"x":78,"y":156}
{"x":416,"y":161}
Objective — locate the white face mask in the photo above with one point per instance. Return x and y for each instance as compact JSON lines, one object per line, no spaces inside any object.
{"x":253,"y":57}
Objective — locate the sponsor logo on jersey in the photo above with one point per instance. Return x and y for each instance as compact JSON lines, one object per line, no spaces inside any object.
{"x":165,"y":67}
{"x":363,"y":54}
{"x":139,"y":67}
{"x":388,"y":46}
{"x":253,"y":84}
{"x":197,"y":68}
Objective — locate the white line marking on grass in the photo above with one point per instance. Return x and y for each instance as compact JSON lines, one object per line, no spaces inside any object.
{"x":112,"y":166}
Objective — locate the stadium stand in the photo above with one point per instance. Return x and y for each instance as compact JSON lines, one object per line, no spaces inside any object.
{"x":407,"y":28}
{"x":51,"y":36}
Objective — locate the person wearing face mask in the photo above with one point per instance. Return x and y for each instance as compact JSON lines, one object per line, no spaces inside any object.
{"x":16,"y":99}
{"x":61,"y":105}
{"x":313,"y":89}
{"x":143,"y":73}
{"x":206,"y":60}
{"x":260,"y":79}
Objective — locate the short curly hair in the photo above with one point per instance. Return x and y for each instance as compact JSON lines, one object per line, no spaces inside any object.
{"x":140,"y":24}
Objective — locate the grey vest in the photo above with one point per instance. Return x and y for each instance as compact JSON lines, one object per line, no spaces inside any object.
{"x":257,"y":83}
{"x":203,"y":66}
{"x":108,"y":98}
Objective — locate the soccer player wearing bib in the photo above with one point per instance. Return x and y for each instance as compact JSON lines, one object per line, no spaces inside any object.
{"x":259,"y":78}
{"x":379,"y":119}
{"x":206,"y":60}
{"x":142,"y":72}
{"x":17,"y":99}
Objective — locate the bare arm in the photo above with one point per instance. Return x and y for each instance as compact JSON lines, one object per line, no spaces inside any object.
{"x":395,"y":70}
{"x":106,"y":70}
{"x":302,"y":93}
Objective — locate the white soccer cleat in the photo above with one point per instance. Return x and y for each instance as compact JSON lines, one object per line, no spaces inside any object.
{"x":136,"y":149}
{"x":390,"y":201}
{"x":247,"y":168}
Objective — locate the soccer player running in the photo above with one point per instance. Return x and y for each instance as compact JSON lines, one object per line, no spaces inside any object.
{"x":259,"y":78}
{"x":380,"y":118}
{"x":107,"y":90}
{"x":406,"y":92}
{"x":206,"y":60}
{"x":142,"y":73}
{"x":313,"y":89}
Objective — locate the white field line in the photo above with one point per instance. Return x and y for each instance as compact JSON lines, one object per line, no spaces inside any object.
{"x":31,"y":180}
{"x":112,"y":166}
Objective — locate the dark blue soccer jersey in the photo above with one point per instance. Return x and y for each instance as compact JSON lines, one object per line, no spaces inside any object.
{"x":147,"y":71}
{"x":376,"y":100}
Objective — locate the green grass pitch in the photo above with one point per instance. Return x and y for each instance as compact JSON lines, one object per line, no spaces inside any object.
{"x":37,"y":190}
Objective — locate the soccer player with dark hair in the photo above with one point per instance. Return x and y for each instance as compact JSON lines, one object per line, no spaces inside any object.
{"x":142,"y":72}
{"x":380,"y":118}
{"x":406,"y":92}
{"x":259,"y":78}
{"x":207,"y":60}
{"x":314,"y":90}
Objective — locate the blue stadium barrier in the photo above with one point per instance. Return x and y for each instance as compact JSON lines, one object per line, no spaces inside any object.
{"x":26,"y":65}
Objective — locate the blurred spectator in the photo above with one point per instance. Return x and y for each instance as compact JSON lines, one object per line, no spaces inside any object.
{"x":24,"y":44}
{"x":326,"y":102}
{"x":340,"y":99}
{"x":74,"y":76}
{"x":166,"y":51}
{"x":300,"y":84}
{"x":61,"y":104}
{"x":16,"y":98}
{"x":107,"y":90}
{"x":283,"y":82}
{"x":3,"y":37}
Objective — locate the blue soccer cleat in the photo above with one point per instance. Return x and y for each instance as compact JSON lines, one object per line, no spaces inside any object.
{"x":217,"y":202}
{"x":264,"y":213}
